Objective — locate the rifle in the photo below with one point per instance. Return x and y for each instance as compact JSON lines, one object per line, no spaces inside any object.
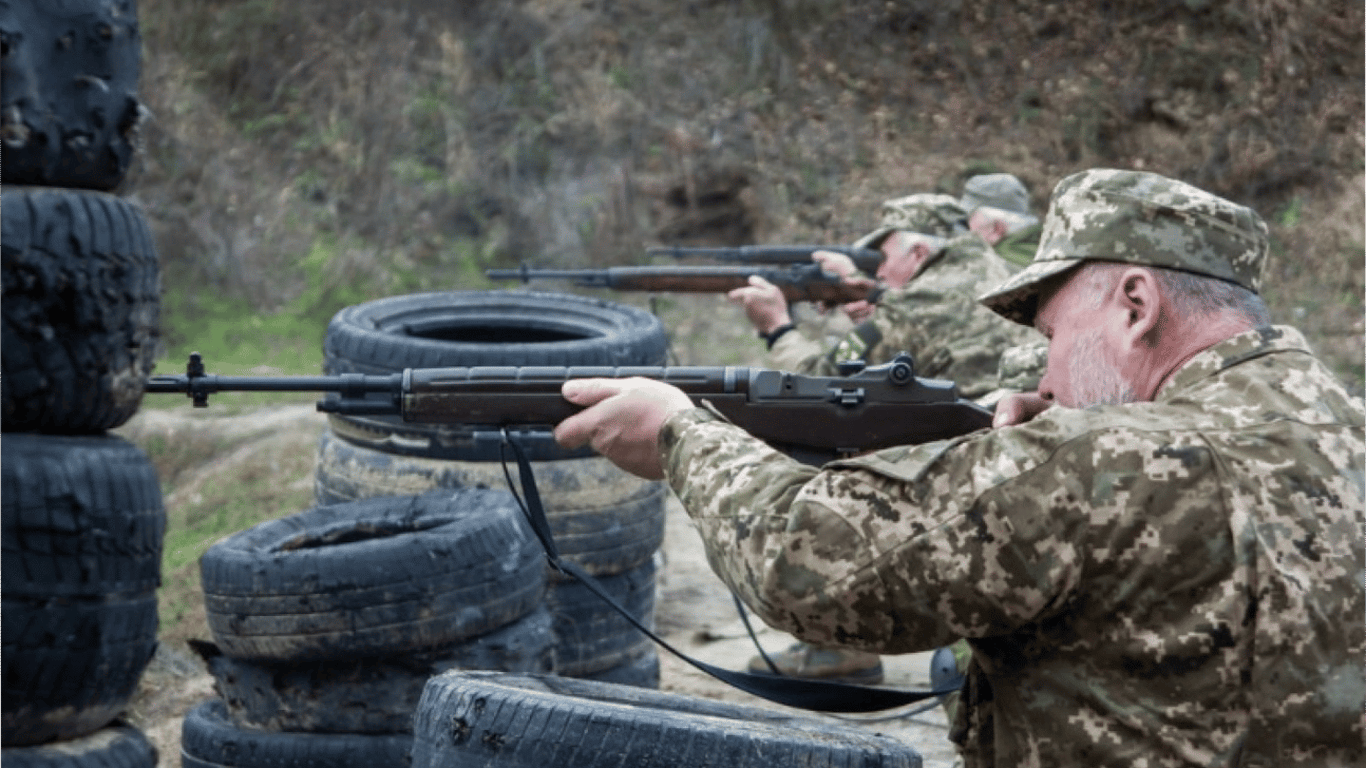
{"x":798,"y":282}
{"x":866,"y":259}
{"x":811,"y":418}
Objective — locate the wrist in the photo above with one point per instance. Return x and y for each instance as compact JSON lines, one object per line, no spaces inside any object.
{"x":772,"y":336}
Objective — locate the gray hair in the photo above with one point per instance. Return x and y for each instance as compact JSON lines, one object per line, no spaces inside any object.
{"x":1193,"y":295}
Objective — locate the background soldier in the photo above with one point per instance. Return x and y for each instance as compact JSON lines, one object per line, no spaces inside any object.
{"x":934,"y":270}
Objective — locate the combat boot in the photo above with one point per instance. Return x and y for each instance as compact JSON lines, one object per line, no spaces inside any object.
{"x":818,"y":663}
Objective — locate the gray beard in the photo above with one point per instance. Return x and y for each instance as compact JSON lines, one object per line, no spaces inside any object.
{"x":1095,"y":378}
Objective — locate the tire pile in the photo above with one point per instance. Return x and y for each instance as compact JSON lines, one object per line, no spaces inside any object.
{"x":81,"y":513}
{"x":328,"y":623}
{"x":606,"y":521}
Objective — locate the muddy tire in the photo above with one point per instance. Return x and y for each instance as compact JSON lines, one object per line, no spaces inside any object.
{"x":118,"y":746}
{"x":590,"y":636}
{"x":70,"y":108}
{"x":603,"y":519}
{"x":70,"y":665}
{"x":375,"y":695}
{"x":477,"y":328}
{"x":494,"y":719}
{"x":81,"y":307}
{"x":209,"y":739}
{"x":80,"y":516}
{"x":377,"y":576}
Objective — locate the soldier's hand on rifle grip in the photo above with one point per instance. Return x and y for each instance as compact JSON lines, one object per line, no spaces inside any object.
{"x":621,"y":420}
{"x":764,"y":304}
{"x":1019,"y":407}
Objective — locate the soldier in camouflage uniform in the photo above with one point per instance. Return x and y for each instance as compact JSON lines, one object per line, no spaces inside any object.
{"x":930,"y":310}
{"x":1161,"y":569}
{"x":934,"y":270}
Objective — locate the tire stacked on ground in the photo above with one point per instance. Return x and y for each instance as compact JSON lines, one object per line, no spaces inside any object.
{"x":83,"y":518}
{"x":606,"y":521}
{"x":498,"y":720}
{"x":328,"y":623}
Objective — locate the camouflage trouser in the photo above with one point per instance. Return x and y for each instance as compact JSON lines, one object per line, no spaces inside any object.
{"x":962,"y":654}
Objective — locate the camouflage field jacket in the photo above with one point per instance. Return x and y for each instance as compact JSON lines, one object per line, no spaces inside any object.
{"x":1168,"y":583}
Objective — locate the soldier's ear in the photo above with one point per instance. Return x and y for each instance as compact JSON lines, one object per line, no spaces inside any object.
{"x":1137,"y":295}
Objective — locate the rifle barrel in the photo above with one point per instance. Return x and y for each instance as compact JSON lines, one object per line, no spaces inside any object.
{"x":798,"y":282}
{"x":866,"y":259}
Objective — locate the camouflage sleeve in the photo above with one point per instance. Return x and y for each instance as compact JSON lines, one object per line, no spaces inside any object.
{"x":844,"y":555}
{"x":795,"y":351}
{"x":920,"y":319}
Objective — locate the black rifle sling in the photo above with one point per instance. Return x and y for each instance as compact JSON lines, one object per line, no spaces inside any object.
{"x":813,"y":695}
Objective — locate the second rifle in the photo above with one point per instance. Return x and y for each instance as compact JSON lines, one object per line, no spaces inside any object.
{"x":798,"y":282}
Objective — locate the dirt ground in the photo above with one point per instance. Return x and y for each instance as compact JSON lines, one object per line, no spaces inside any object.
{"x":694,"y":613}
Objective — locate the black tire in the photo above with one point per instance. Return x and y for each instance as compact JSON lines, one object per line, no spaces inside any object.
{"x":478,"y":328}
{"x":641,"y":670}
{"x":70,"y":108}
{"x":81,"y":307}
{"x":372,"y":577}
{"x":118,"y":746}
{"x":377,"y":695}
{"x":79,"y":516}
{"x":71,"y":664}
{"x":590,"y":636}
{"x":209,"y":739}
{"x":603,"y":519}
{"x":500,"y":720}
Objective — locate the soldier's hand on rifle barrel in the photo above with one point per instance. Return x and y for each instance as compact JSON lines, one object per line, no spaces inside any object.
{"x":764,"y":304}
{"x":621,"y":420}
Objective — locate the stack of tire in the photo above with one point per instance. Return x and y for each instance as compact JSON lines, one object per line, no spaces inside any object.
{"x":328,"y":623}
{"x":82,"y":518}
{"x":606,"y":521}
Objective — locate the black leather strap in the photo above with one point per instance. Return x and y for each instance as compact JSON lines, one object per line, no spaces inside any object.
{"x":814,"y":695}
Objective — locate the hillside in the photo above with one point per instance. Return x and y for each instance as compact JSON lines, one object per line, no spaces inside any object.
{"x":306,"y":155}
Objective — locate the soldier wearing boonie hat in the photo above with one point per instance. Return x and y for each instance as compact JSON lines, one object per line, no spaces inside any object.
{"x":1142,"y":219}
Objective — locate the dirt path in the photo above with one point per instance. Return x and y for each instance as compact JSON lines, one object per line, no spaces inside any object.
{"x":694,"y":613}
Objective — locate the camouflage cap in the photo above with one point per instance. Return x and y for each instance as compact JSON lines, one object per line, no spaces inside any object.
{"x":926,"y":213}
{"x":1137,"y":218}
{"x":998,"y":190}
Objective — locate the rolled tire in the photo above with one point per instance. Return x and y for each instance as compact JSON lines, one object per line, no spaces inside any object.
{"x":500,"y":720}
{"x":371,"y":695}
{"x":377,"y":576}
{"x":604,"y":520}
{"x":81,"y":307}
{"x":70,"y":109}
{"x":480,"y":328}
{"x":209,"y":739}
{"x":70,"y":665}
{"x":590,"y":635}
{"x":80,"y":516}
{"x":118,"y":746}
